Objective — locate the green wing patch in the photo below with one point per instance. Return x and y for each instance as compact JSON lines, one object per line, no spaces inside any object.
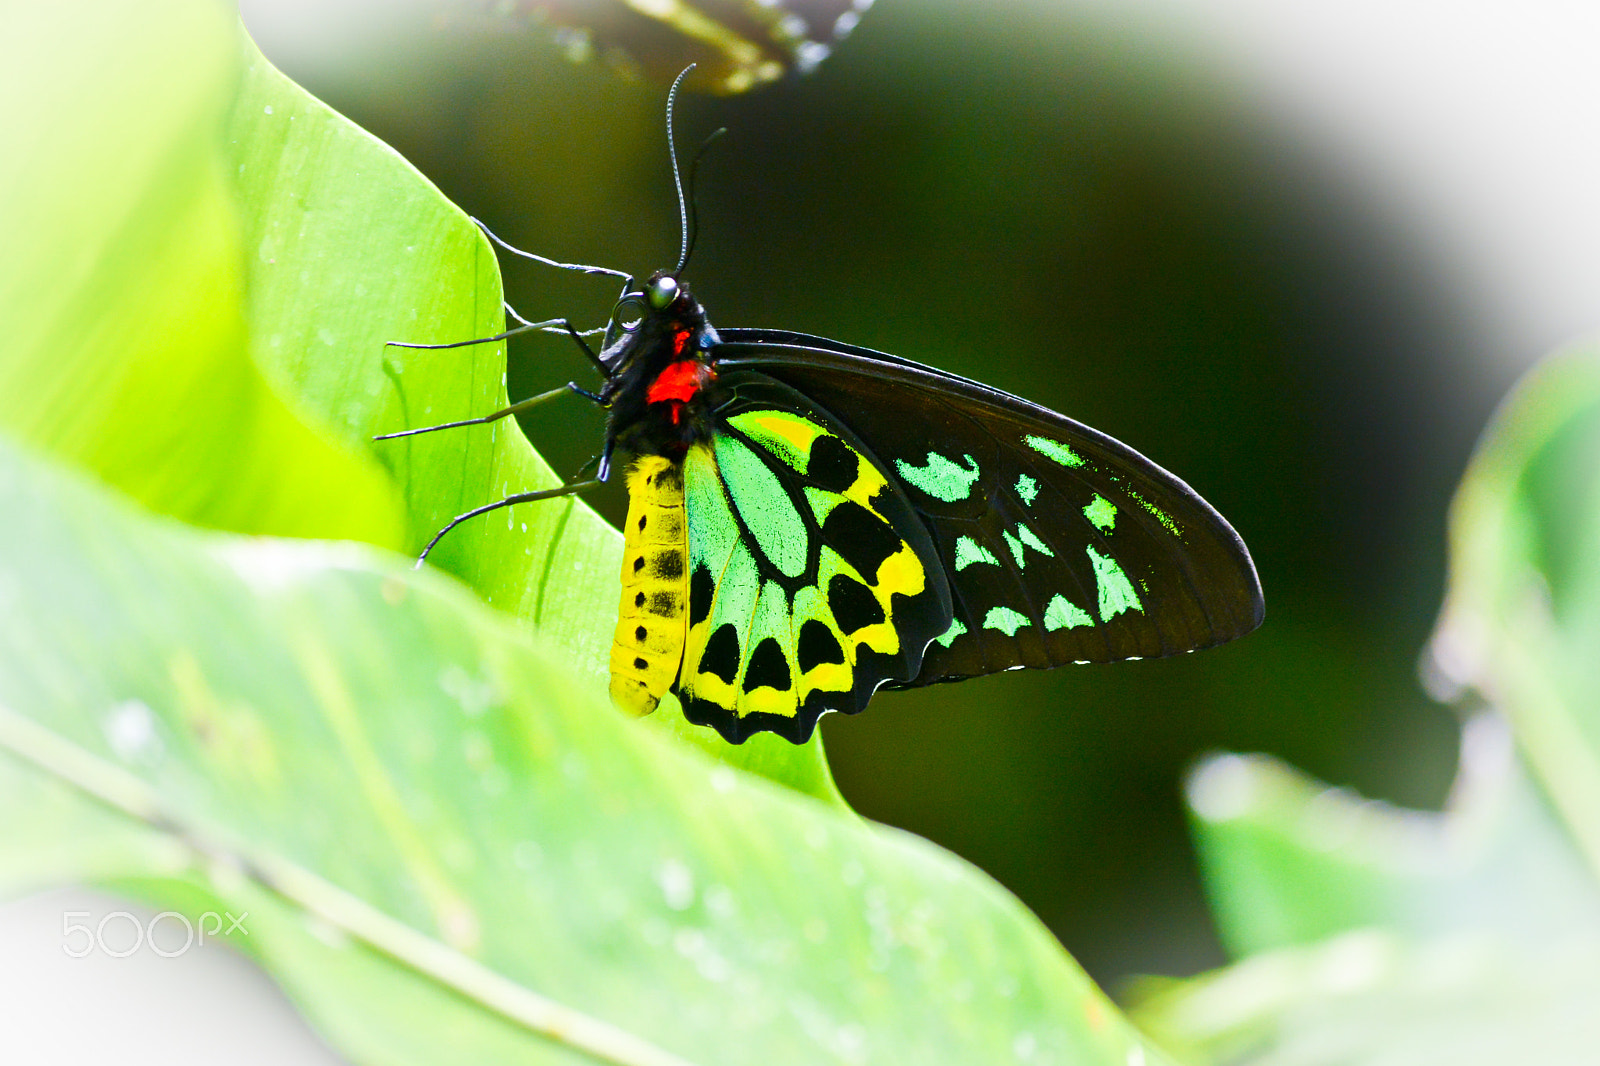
{"x":1039,"y":558}
{"x":811,"y":581}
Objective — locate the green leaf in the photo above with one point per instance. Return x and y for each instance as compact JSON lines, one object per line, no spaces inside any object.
{"x":449,"y":841}
{"x":1372,"y":999}
{"x":1522,"y":619}
{"x":125,"y":347}
{"x":1288,"y":860}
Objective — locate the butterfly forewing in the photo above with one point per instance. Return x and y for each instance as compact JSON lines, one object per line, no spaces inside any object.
{"x":812,"y":580}
{"x":736,"y":44}
{"x":1059,"y":544}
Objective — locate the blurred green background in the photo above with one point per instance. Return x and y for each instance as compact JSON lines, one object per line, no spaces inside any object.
{"x":1105,"y":218}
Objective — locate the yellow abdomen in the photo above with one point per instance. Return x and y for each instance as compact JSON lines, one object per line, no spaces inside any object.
{"x":648,"y":647}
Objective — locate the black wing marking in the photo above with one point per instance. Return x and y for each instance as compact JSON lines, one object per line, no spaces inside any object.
{"x":1066,"y":545}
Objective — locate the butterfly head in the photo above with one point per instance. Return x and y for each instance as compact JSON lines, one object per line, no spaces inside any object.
{"x":661,"y":363}
{"x":661,"y":297}
{"x":662,"y":291}
{"x":661,"y":307}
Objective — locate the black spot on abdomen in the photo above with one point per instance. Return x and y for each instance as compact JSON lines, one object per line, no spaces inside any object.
{"x":664,"y":605}
{"x":667,"y":566}
{"x":668,"y":478}
{"x":768,"y":668}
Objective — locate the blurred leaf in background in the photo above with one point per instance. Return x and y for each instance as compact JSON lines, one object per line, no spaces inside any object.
{"x":1371,"y":935}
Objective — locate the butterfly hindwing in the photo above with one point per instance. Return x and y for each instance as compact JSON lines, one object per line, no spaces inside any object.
{"x":1059,"y":544}
{"x":812,"y":581}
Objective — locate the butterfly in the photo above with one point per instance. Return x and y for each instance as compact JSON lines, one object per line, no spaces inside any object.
{"x":810,"y":521}
{"x":737,"y":45}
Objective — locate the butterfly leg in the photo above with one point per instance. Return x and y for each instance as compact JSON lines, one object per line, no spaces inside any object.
{"x":549,"y":325}
{"x":562,"y":325}
{"x":524,"y":327}
{"x":582,"y":268}
{"x":495,"y":416}
{"x":521,"y":497}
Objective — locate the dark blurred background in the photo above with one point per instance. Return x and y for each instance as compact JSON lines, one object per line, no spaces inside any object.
{"x":1251,"y":243}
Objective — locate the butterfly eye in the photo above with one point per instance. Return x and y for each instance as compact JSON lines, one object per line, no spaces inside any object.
{"x":661,"y":292}
{"x":629,"y":312}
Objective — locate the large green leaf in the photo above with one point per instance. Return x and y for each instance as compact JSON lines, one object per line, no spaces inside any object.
{"x":124,"y":344}
{"x":448,"y":841}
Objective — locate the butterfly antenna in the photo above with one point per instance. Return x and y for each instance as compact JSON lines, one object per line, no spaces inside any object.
{"x":684,"y":210}
{"x":582,"y":268}
{"x":694,"y":167}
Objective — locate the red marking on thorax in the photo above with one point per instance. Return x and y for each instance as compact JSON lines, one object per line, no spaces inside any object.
{"x":679,"y":381}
